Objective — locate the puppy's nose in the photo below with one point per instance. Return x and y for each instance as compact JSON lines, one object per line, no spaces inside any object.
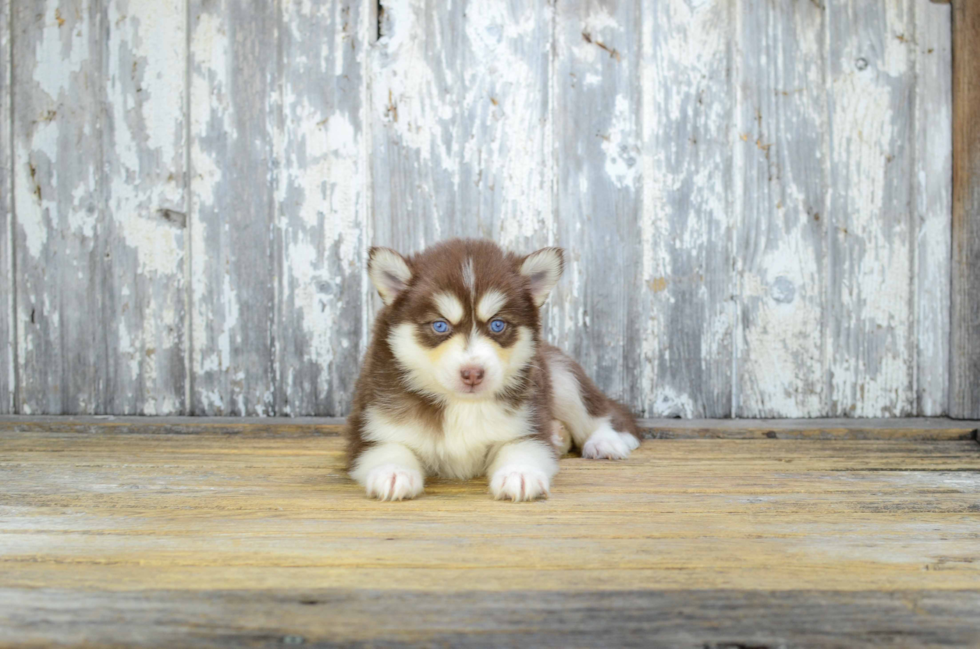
{"x":472,"y":376}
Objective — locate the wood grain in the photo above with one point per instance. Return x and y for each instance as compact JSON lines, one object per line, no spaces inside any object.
{"x":234,"y":125}
{"x":416,"y":144}
{"x":964,"y":395}
{"x":933,"y":206}
{"x":506,"y":119}
{"x":99,"y":281}
{"x":687,"y":252}
{"x":780,"y":209}
{"x":597,"y":140}
{"x":8,"y":338}
{"x":460,"y":112}
{"x":917,"y":429}
{"x":699,"y":619}
{"x":215,"y":539}
{"x":143,"y":227}
{"x":870,"y":80}
{"x":61,"y":245}
{"x":323,"y":206}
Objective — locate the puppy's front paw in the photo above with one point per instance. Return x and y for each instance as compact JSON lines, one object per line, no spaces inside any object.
{"x":519,"y":483}
{"x":607,"y":444}
{"x":393,"y":482}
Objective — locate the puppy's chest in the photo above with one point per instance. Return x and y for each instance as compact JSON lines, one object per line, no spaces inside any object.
{"x":471,"y":432}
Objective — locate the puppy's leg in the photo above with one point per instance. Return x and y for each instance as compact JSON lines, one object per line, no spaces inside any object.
{"x":389,"y":472}
{"x":600,"y":427}
{"x":522,"y":470}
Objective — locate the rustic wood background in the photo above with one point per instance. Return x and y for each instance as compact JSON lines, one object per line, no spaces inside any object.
{"x":755,"y":195}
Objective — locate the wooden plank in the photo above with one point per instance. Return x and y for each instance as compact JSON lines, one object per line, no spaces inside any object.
{"x":100,"y":297}
{"x":324,"y":616}
{"x":461,"y":127}
{"x":933,"y":205}
{"x":8,"y":338}
{"x":598,"y":154}
{"x":965,"y":319}
{"x":686,"y":308}
{"x":918,"y":429}
{"x":234,"y":265}
{"x":416,"y":95}
{"x":841,"y":429}
{"x":125,"y":512}
{"x":506,"y":157}
{"x":780,"y":211}
{"x":142,"y":233}
{"x":59,"y":239}
{"x":237,"y":426}
{"x":870,"y":339}
{"x":322,"y":206}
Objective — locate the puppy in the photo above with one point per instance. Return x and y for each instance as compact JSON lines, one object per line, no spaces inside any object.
{"x":457,"y":381}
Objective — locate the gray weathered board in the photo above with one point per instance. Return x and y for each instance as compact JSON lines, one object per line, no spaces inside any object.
{"x":755,"y":195}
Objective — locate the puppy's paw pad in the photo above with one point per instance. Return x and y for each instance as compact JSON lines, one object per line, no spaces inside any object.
{"x":607,"y":444}
{"x":393,"y":482}
{"x":519,"y":483}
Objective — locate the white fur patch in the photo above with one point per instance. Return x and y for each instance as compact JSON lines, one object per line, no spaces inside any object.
{"x":389,"y":272}
{"x":569,"y":407}
{"x":608,"y":444}
{"x":522,"y":471}
{"x":490,"y":304}
{"x":544,"y":269}
{"x":469,"y":276}
{"x":470,"y":429}
{"x":389,"y":472}
{"x":449,"y":307}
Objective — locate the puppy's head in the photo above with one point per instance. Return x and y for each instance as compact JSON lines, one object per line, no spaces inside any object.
{"x":463,"y":316}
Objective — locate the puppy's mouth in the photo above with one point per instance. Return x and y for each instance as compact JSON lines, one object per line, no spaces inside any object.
{"x":472,"y":390}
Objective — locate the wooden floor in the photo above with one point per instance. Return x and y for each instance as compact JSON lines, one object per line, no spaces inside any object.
{"x":229,"y":533}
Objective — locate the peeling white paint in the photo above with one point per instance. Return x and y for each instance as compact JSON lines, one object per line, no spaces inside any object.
{"x":871,"y":365}
{"x":510,"y":131}
{"x":31,"y":218}
{"x":8,"y":315}
{"x":462,"y":121}
{"x":619,"y":145}
{"x":56,"y":41}
{"x":933,"y":193}
{"x":686,"y":210}
{"x":779,"y":178}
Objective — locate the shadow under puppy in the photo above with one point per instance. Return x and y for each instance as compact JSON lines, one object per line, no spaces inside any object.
{"x":457,"y":381}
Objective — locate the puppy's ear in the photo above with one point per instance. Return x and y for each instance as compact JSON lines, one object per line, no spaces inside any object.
{"x":389,"y":272}
{"x":543,"y":268}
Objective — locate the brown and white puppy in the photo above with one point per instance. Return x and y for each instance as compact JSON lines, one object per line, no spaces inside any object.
{"x":457,"y":381}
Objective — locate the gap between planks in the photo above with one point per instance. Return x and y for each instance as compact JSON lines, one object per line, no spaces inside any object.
{"x":908,"y":429}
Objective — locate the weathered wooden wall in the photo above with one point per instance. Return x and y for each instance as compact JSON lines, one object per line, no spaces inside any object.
{"x":965,"y":313}
{"x":755,"y":195}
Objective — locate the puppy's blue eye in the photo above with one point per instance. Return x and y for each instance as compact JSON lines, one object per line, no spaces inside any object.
{"x":496,"y":326}
{"x":440,"y":326}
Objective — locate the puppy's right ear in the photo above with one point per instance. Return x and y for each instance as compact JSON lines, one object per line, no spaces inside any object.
{"x":389,"y":272}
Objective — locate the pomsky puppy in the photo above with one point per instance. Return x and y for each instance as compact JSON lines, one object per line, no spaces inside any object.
{"x":457,"y":381}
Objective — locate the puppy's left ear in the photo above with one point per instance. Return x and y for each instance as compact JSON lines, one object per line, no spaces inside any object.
{"x":389,"y":272}
{"x":543,"y":268}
